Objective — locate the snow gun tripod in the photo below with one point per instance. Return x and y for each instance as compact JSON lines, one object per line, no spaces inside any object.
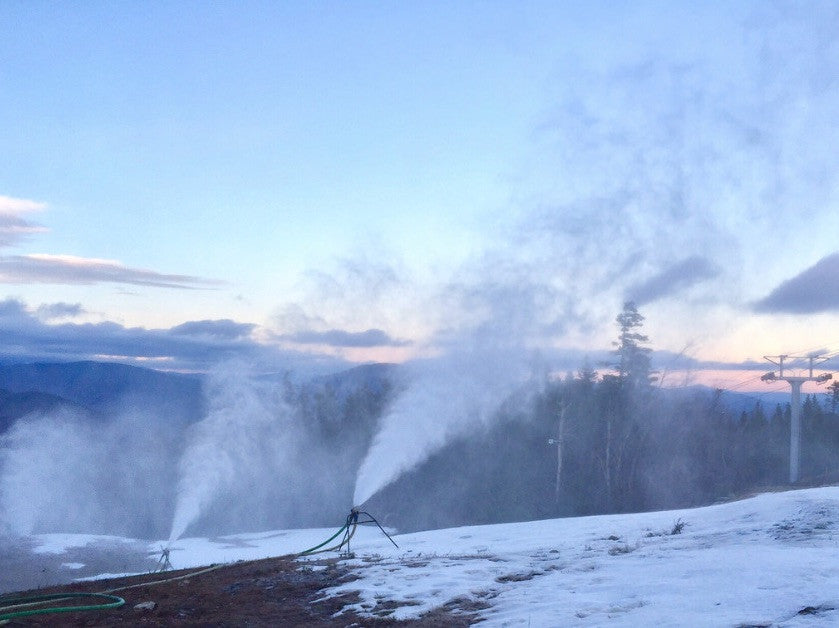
{"x":163,"y":563}
{"x":348,"y":530}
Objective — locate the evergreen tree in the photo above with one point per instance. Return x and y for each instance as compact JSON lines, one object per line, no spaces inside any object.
{"x":833,"y":396}
{"x":633,"y":359}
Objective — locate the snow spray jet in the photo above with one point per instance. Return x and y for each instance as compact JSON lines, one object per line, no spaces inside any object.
{"x":240,"y":445}
{"x":112,"y":476}
{"x":34,"y":478}
{"x":443,"y":398}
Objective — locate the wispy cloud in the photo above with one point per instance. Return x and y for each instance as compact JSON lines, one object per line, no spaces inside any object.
{"x":347,"y":308}
{"x":673,"y":279}
{"x":10,"y":205}
{"x":343,"y":338}
{"x":14,"y":228}
{"x":69,"y":269}
{"x":815,"y":289}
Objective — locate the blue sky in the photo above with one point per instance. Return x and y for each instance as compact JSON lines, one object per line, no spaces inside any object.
{"x":379,"y":181}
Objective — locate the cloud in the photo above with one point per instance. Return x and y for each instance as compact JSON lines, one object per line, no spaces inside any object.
{"x":816,"y":289}
{"x":225,"y":328}
{"x":293,"y":318}
{"x":13,"y":228}
{"x":675,"y":278}
{"x":72,"y":270}
{"x":366,"y":292}
{"x":51,"y":311}
{"x":12,"y":308}
{"x":9,"y":205}
{"x":342,"y":338}
{"x":194,"y":345}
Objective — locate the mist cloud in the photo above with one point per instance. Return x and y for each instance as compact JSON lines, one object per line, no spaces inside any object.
{"x":661,"y":157}
{"x":815,"y":289}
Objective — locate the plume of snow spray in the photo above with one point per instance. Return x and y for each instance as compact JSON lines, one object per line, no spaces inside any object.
{"x":64,"y":472}
{"x":244,"y":441}
{"x":444,"y":398}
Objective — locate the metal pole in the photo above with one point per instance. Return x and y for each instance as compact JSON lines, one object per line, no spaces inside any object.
{"x":560,"y":435}
{"x":795,"y":430}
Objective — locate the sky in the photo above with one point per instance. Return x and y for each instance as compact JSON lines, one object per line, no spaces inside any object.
{"x":311,"y":185}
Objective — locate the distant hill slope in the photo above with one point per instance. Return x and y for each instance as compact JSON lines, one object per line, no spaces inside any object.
{"x":103,"y":386}
{"x":14,"y":406}
{"x":373,"y":377}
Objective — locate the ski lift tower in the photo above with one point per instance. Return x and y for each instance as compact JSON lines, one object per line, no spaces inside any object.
{"x":795,"y":382}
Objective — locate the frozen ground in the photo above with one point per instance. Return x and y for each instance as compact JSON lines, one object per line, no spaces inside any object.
{"x":772,"y":560}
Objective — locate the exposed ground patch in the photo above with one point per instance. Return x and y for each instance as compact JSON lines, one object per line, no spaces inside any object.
{"x":269,"y":592}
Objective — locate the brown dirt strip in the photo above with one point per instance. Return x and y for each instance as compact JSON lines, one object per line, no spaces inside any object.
{"x":270,"y":592}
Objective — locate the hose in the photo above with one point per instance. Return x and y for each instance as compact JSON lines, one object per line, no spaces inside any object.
{"x":314,"y":550}
{"x":349,"y":528}
{"x":12,"y":603}
{"x":190,"y":574}
{"x":8,"y":604}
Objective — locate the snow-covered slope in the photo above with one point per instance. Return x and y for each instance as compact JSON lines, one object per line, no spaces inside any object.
{"x":771,"y":560}
{"x":761,"y":561}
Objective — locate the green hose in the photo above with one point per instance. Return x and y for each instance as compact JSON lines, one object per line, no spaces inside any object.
{"x":311,"y":550}
{"x":115,"y":602}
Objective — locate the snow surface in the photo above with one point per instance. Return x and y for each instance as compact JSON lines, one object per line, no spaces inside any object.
{"x":73,"y":565}
{"x":58,"y":543}
{"x":771,"y":560}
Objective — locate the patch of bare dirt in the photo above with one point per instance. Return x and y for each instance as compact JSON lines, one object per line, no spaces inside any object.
{"x":270,"y":592}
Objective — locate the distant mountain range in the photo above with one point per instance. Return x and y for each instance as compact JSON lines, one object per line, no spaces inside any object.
{"x":98,"y":387}
{"x":738,"y":402}
{"x":103,"y":387}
